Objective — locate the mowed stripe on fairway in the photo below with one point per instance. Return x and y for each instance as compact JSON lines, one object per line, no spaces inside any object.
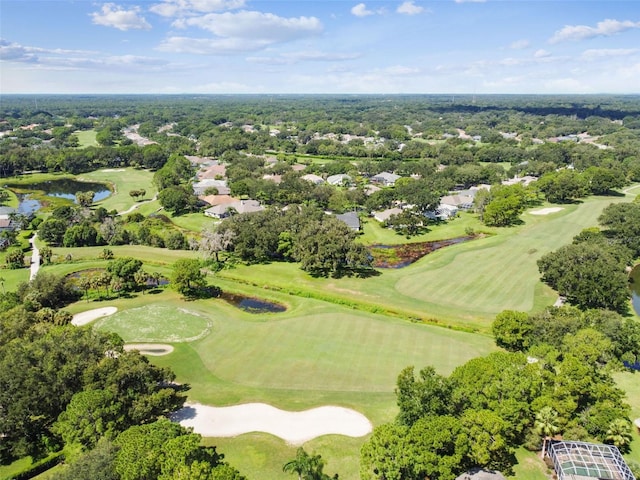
{"x":494,"y":274}
{"x":337,"y":351}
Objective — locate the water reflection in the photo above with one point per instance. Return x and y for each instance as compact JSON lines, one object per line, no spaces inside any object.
{"x":634,"y":285}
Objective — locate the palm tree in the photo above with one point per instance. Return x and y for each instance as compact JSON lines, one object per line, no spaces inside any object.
{"x":619,"y":434}
{"x":308,"y":467}
{"x":299,"y":465}
{"x":546,"y":424}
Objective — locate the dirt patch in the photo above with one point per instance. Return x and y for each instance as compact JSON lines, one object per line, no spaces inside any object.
{"x":153,"y":349}
{"x":546,"y":211}
{"x":295,"y":428}
{"x":89,"y":316}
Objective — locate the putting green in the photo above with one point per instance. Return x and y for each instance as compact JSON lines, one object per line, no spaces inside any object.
{"x":156,"y":323}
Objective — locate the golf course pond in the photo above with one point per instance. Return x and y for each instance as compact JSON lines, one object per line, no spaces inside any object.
{"x":31,"y":195}
{"x":398,"y":256}
{"x":252,"y":305}
{"x":634,"y":285}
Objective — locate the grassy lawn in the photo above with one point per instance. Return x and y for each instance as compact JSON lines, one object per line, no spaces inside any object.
{"x":530,"y":466}
{"x":375,"y":233}
{"x":86,"y":138}
{"x":123,"y":181}
{"x":149,"y":324}
{"x":341,"y":341}
{"x":630,"y":383}
{"x":314,"y":354}
{"x":465,"y":284}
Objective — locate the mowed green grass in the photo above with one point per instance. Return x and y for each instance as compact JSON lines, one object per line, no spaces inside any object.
{"x":630,"y":383}
{"x":465,"y":284}
{"x":314,"y":354}
{"x":123,"y":180}
{"x":86,"y":138}
{"x":156,"y":323}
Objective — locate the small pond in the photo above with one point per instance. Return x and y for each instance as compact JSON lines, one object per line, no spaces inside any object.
{"x":634,"y":285}
{"x":252,"y":305}
{"x":398,"y":256}
{"x":60,"y":188}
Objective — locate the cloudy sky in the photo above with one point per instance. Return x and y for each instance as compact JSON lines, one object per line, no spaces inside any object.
{"x":320,"y":46}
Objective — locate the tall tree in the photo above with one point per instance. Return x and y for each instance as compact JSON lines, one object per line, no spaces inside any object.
{"x":546,"y":425}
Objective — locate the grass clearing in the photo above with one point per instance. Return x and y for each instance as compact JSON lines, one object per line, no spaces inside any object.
{"x":123,"y":181}
{"x":156,"y":323}
{"x":86,"y":138}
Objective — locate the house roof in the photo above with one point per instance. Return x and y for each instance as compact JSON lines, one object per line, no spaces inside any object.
{"x":351,"y":219}
{"x":240,"y":206}
{"x":6,"y":211}
{"x":456,"y":200}
{"x":384,"y":215}
{"x":212,"y":172}
{"x":310,"y":177}
{"x":386,"y":176}
{"x":218,"y":199}
{"x":338,"y":179}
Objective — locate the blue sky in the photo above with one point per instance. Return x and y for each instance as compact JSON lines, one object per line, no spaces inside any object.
{"x":314,"y":46}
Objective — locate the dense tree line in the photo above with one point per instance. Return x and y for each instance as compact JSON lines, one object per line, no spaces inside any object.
{"x":322,"y":244}
{"x":75,"y":386}
{"x":591,"y":271}
{"x":74,"y":226}
{"x":555,"y":380}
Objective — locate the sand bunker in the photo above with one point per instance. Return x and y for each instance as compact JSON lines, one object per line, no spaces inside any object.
{"x":91,"y":315}
{"x":545,"y":211}
{"x":114,"y":170}
{"x":294,"y":427}
{"x":154,"y":349}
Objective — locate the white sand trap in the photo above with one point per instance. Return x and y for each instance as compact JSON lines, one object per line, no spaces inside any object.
{"x":89,"y":316}
{"x":546,"y":211}
{"x":114,"y":170}
{"x":155,"y":349}
{"x":294,"y":427}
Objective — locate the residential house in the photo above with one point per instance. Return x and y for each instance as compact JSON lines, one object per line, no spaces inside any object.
{"x":199,"y":188}
{"x":384,"y":215}
{"x":339,"y":179}
{"x":351,"y":219}
{"x":240,"y":206}
{"x":385,"y":178}
{"x":315,"y":179}
{"x":461,"y":202}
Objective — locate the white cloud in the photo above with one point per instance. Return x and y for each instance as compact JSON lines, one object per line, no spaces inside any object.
{"x":605,"y":28}
{"x":410,"y":8}
{"x":541,"y":54}
{"x":257,"y":29}
{"x":174,"y":8}
{"x":14,"y":52}
{"x":594,"y":54}
{"x":520,"y":44}
{"x":111,"y":15}
{"x":360,"y":10}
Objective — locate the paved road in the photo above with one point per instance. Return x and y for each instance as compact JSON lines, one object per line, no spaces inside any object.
{"x":35,"y":257}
